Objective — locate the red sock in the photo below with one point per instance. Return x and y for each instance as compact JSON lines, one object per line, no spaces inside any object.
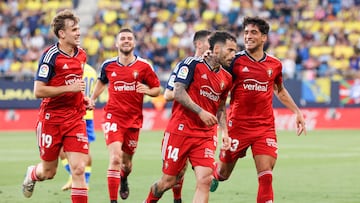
{"x":216,"y":173}
{"x":177,"y":188}
{"x":151,"y":198}
{"x":265,"y":190}
{"x":33,"y":174}
{"x":79,"y":195}
{"x":113,"y":178}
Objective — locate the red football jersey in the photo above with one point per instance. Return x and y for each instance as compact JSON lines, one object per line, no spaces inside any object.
{"x":252,"y":93}
{"x":124,"y":102}
{"x":56,"y":68}
{"x":206,"y":88}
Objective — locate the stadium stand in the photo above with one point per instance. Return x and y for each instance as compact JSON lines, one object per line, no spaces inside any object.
{"x":319,"y":38}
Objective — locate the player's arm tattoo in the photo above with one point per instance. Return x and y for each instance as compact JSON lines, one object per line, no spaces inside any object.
{"x":221,"y":114}
{"x":183,"y":97}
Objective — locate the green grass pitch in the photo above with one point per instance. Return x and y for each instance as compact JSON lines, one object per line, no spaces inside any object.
{"x":322,"y":167}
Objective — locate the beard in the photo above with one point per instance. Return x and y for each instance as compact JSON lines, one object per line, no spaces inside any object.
{"x":127,"y":51}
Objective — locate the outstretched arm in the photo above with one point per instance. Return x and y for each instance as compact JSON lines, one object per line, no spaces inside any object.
{"x":98,"y":89}
{"x":221,"y":116}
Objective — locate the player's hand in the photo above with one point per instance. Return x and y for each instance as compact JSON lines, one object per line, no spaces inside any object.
{"x":88,"y":103}
{"x":226,"y":143}
{"x":77,"y":86}
{"x":206,"y":54}
{"x":300,"y":124}
{"x":300,"y":129}
{"x":142,"y":88}
{"x":208,"y":118}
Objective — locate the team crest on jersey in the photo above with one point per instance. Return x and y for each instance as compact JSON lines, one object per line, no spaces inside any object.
{"x":222,"y":85}
{"x":44,"y":71}
{"x":269,"y":72}
{"x":135,"y":74}
{"x":183,"y":72}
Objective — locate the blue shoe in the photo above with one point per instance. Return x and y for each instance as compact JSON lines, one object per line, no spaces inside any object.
{"x":214,"y":185}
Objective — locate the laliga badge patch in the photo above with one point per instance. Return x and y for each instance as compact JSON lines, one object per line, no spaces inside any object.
{"x":183,"y":72}
{"x":44,"y":71}
{"x":171,"y":82}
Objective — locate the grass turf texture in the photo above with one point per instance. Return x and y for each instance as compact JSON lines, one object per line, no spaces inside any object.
{"x":322,"y":167}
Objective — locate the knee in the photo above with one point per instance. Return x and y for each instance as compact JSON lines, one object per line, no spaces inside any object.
{"x":78,"y":169}
{"x":167,"y":182}
{"x":204,"y":181}
{"x":115,"y":159}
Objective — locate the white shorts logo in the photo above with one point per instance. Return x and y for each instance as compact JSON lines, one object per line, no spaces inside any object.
{"x":183,"y":72}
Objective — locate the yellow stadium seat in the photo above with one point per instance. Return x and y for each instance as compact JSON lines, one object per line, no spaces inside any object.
{"x":15,"y":66}
{"x":354,"y":37}
{"x":110,"y":16}
{"x":108,"y":41}
{"x":50,"y":5}
{"x":208,"y":15}
{"x":281,"y":51}
{"x":33,"y":5}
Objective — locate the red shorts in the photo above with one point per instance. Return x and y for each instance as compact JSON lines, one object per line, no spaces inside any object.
{"x":265,"y":144}
{"x":127,"y":136}
{"x":176,"y":149}
{"x":51,"y":137}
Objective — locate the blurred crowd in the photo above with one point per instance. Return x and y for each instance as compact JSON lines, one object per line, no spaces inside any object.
{"x":318,"y":38}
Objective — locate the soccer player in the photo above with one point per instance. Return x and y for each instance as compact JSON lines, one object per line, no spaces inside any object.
{"x":201,"y":44}
{"x":89,"y":77}
{"x":257,"y":76}
{"x":60,"y":122}
{"x":200,"y":91}
{"x":129,"y":78}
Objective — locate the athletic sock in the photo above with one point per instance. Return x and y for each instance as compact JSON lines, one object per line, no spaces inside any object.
{"x":151,"y":198}
{"x":177,"y":188}
{"x":79,"y":195}
{"x":33,"y":175}
{"x":113,"y":178}
{"x":265,"y":190}
{"x":216,"y":173}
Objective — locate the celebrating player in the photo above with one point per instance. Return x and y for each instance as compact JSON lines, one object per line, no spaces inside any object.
{"x":200,"y":91}
{"x":129,"y":78}
{"x":257,"y":76}
{"x":60,"y":123}
{"x":201,"y":44}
